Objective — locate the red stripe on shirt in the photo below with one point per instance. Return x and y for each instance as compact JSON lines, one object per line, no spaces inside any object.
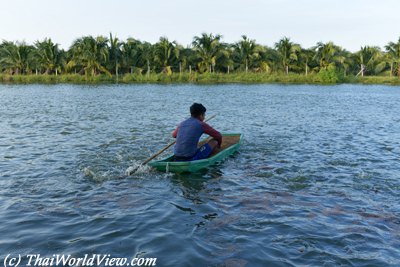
{"x":212,"y":132}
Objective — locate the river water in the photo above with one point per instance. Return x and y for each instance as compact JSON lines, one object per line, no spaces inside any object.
{"x":316,"y":181}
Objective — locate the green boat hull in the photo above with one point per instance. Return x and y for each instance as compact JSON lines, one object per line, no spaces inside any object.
{"x":168,"y":165}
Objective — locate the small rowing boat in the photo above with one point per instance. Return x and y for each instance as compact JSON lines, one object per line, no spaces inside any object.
{"x":230,"y":144}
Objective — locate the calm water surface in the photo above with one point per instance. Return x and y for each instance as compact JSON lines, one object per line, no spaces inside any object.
{"x":316,"y":182}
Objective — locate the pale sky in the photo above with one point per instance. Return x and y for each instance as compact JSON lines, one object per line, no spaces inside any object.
{"x":348,"y":23}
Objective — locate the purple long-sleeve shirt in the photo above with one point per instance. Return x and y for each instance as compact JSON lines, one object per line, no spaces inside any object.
{"x":187,"y":136}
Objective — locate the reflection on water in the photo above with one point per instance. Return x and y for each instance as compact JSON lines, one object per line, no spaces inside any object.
{"x":315,"y":182}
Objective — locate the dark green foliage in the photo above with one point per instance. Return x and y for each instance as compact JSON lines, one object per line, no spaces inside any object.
{"x":208,"y":60}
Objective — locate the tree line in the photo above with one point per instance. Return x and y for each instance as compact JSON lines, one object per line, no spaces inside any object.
{"x":207,"y":53}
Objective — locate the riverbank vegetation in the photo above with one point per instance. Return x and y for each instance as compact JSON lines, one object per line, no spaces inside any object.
{"x":207,"y":60}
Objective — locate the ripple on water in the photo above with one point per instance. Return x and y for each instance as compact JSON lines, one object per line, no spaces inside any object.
{"x":315,"y":182}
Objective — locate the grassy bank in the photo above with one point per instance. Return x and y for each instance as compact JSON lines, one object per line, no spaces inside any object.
{"x":206,"y":78}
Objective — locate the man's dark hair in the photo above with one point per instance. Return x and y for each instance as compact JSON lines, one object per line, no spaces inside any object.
{"x":197,"y":109}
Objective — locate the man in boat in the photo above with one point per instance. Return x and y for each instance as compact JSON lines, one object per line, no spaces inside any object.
{"x":188,"y":133}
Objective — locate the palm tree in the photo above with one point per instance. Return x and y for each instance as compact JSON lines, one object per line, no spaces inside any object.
{"x":269,"y":59}
{"x":345,"y":60}
{"x":207,"y":47}
{"x":181,"y":56}
{"x":186,"y":58}
{"x":15,"y":57}
{"x":380,"y":62}
{"x":49,"y":56}
{"x":306,"y":56}
{"x":366,"y":58}
{"x":165,"y":54}
{"x":246,"y":51}
{"x":91,"y":54}
{"x":288,"y":52}
{"x":131,"y":53}
{"x":225,"y":57}
{"x":386,"y":59}
{"x":326,"y":54}
{"x":393,"y":51}
{"x":34,"y":61}
{"x":147,"y":54}
{"x":115,"y":54}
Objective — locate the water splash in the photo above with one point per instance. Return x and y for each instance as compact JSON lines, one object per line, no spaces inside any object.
{"x":88,"y":172}
{"x":96,"y":175}
{"x":137,"y":168}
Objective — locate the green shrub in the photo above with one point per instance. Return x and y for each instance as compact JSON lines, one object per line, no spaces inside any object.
{"x":330,"y":75}
{"x":325,"y":76}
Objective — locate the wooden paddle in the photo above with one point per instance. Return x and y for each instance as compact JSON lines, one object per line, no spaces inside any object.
{"x":130,"y":172}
